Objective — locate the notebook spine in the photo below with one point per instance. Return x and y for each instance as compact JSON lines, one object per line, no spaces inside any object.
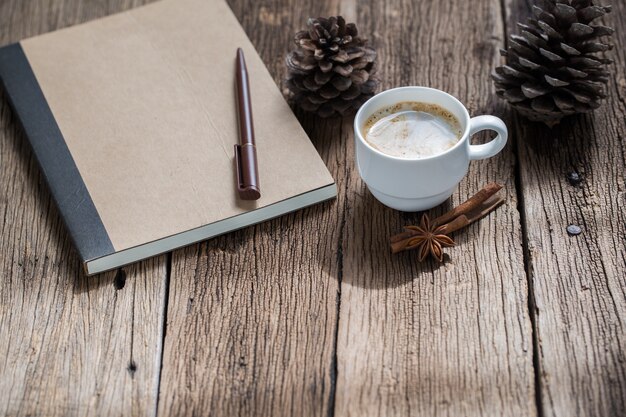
{"x":55,"y":160}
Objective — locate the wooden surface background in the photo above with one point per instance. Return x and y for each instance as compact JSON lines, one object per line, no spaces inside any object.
{"x":521,"y":319}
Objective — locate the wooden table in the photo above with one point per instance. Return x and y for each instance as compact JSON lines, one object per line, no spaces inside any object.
{"x":520,"y":320}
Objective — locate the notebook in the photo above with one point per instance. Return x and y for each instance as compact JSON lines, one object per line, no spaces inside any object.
{"x":133,"y":121}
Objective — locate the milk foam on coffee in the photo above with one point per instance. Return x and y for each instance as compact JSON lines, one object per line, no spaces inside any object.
{"x":412,"y":130}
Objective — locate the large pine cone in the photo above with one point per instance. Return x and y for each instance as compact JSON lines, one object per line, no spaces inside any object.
{"x":331,"y":71}
{"x":552,"y":69}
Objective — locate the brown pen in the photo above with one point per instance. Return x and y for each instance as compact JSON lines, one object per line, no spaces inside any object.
{"x":245,"y":152}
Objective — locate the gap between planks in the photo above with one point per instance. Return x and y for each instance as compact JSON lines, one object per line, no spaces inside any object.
{"x":166,"y":298}
{"x":524,"y":232}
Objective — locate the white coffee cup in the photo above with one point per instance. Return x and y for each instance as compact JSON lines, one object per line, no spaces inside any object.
{"x":422,"y":183}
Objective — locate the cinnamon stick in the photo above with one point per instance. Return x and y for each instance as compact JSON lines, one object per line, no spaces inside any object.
{"x":471,"y":216}
{"x":489,"y":190}
{"x":475,"y":208}
{"x":400,"y":241}
{"x":408,"y":233}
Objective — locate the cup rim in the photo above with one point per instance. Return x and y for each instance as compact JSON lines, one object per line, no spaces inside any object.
{"x":464,"y":136}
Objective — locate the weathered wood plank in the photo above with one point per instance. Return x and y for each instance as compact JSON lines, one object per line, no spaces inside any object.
{"x":424,"y":339}
{"x":252,"y":315}
{"x":578,"y":282}
{"x":69,"y":345}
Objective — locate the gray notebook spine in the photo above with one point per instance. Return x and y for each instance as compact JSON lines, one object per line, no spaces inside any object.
{"x":55,"y":160}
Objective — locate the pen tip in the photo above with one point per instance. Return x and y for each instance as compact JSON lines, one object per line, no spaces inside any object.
{"x":241,"y":62}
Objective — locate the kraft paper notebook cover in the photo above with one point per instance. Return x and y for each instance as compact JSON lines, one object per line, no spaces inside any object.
{"x":133,"y":119}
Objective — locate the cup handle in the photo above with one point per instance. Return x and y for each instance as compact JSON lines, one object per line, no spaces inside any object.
{"x":493,"y":147}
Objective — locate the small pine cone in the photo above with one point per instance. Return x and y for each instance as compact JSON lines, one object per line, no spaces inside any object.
{"x":331,"y":70}
{"x":552,"y":68}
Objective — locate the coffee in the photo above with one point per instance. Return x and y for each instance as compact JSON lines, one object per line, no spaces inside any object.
{"x":412,"y":130}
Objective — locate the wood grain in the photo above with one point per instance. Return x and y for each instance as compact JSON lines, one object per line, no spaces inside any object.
{"x":310,"y":314}
{"x":428,"y":339}
{"x":69,"y":345}
{"x":252,"y":316}
{"x":578,"y":282}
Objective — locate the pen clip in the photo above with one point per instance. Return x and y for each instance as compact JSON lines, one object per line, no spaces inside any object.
{"x":238,"y":168}
{"x":247,"y":184}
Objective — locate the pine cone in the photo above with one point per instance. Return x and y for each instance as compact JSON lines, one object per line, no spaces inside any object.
{"x":331,"y":71}
{"x":552,"y":69}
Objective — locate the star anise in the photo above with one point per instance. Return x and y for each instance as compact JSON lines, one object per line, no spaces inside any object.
{"x":431,"y":236}
{"x":430,"y":239}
